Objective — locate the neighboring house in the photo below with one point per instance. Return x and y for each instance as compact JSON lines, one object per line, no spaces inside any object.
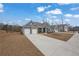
{"x":36,"y":27}
{"x":61,"y":28}
{"x":76,"y":28}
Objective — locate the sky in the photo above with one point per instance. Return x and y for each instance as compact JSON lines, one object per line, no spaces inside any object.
{"x":22,"y":13}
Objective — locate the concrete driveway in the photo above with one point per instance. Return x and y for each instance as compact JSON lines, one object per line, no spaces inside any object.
{"x":53,"y":47}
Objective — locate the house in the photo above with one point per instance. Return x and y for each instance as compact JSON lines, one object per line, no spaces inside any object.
{"x":37,"y":27}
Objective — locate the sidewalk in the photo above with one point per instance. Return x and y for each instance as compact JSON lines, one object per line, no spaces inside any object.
{"x":53,"y":47}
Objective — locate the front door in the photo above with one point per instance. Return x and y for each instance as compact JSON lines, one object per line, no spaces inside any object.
{"x":39,"y":30}
{"x":44,"y":30}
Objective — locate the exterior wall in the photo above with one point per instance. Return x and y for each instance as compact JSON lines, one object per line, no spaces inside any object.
{"x":27,"y":30}
{"x":60,"y":29}
{"x":66,"y":29}
{"x":42,"y":30}
{"x":34,"y":31}
{"x":56,"y":30}
{"x":45,"y":30}
{"x":38,"y":30}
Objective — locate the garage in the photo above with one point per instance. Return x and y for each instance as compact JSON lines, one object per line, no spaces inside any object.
{"x":34,"y":31}
{"x":35,"y":27}
{"x":29,"y":31}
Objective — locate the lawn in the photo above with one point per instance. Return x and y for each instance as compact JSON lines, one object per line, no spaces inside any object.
{"x":15,"y":44}
{"x":64,"y":36}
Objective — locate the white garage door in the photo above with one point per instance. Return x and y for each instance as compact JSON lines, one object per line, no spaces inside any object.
{"x":34,"y":31}
{"x":27,"y":30}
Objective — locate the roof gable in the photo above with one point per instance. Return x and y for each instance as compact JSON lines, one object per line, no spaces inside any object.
{"x":36,"y":25}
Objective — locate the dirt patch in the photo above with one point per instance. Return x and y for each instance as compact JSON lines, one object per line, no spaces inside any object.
{"x":15,"y":44}
{"x":61,"y":36}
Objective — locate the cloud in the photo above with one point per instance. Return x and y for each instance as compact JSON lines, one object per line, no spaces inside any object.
{"x":67,"y":20}
{"x":54,"y":16}
{"x":76,"y":16}
{"x":43,"y":8}
{"x":56,"y":20}
{"x":49,"y":21}
{"x":4,"y":22}
{"x":56,"y":11}
{"x":10,"y":22}
{"x":72,"y":15}
{"x":1,"y":5}
{"x":27,"y":19}
{"x":76,"y":8}
{"x":51,"y":16}
{"x":48,"y":6}
{"x":40,"y":9}
{"x":1,"y":8}
{"x":68,"y":15}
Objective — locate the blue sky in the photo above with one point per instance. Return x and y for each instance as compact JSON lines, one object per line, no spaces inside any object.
{"x":21,"y":13}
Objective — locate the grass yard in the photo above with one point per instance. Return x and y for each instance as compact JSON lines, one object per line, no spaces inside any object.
{"x":15,"y":44}
{"x":64,"y":36}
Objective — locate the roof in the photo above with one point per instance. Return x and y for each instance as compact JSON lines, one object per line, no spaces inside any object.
{"x":36,"y":25}
{"x":76,"y":28}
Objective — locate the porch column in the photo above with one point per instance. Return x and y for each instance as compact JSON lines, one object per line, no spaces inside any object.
{"x":30,"y":30}
{"x":41,"y":29}
{"x":45,"y":30}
